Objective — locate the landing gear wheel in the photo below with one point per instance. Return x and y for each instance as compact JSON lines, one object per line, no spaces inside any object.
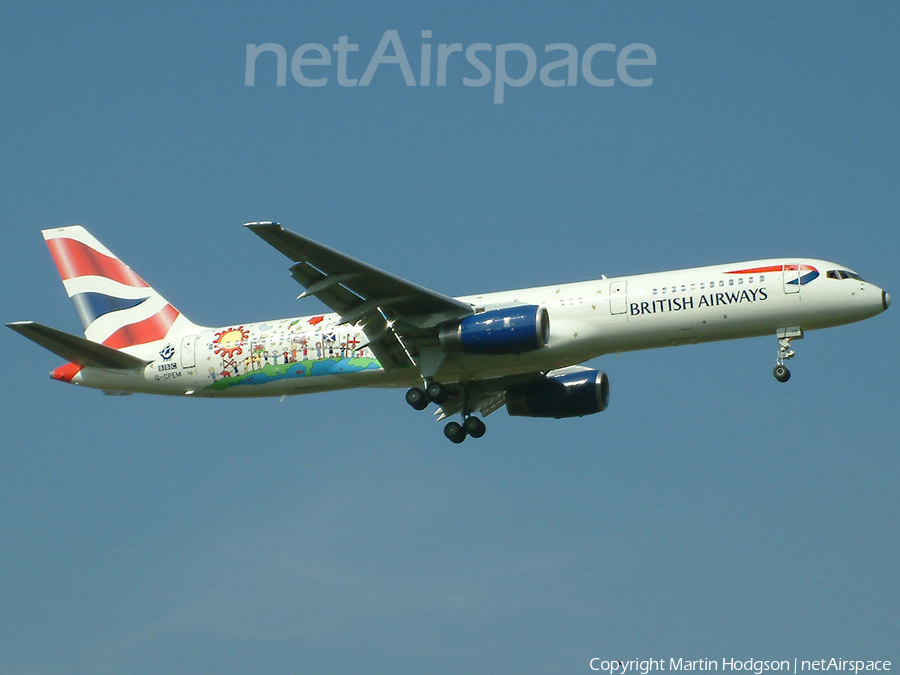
{"x":437,"y":392}
{"x":781,"y":373}
{"x":474,"y":427}
{"x":417,"y":398}
{"x":455,"y":432}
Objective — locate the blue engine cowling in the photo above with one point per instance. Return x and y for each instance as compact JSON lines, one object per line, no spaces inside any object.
{"x":511,"y":330}
{"x":573,"y":394}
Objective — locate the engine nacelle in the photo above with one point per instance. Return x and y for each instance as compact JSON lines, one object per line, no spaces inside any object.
{"x":511,"y":330}
{"x":569,"y":394}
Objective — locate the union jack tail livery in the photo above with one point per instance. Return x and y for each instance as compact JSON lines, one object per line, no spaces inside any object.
{"x":116,"y":307}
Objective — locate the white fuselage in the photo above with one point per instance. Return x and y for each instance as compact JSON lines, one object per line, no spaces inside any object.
{"x":587,"y":319}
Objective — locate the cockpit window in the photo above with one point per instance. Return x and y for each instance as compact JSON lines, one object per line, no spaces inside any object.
{"x":843,"y":274}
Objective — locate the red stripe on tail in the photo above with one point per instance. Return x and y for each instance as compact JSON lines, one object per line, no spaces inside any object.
{"x":75,"y":259}
{"x":148,"y":330}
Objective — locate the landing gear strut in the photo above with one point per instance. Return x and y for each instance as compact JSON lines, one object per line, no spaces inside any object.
{"x":785,"y":335}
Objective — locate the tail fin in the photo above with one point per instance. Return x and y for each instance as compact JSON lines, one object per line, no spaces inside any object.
{"x":116,"y":307}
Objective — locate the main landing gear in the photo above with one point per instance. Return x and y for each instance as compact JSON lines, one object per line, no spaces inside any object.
{"x":471,"y":426}
{"x":785,"y":335}
{"x":435,"y":392}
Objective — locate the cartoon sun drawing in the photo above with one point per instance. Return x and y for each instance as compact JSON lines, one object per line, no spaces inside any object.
{"x":228,"y":342}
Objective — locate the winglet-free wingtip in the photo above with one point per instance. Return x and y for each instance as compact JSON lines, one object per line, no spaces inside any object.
{"x":19,"y":326}
{"x":259,"y":225}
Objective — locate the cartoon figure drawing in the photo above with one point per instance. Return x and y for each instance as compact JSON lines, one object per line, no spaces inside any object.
{"x":257,"y":352}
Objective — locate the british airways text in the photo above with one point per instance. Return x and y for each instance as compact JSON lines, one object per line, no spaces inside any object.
{"x":690,"y":302}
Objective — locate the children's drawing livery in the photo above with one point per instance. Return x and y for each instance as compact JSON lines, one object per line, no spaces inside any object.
{"x":469,"y":355}
{"x":282,"y":350}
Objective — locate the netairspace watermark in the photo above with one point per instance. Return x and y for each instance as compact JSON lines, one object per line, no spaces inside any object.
{"x":755,"y":666}
{"x":508,"y":65}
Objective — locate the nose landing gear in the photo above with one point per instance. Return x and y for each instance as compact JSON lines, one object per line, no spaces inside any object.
{"x":785,"y":335}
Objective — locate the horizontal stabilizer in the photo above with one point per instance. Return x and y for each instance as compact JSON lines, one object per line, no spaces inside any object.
{"x":77,"y":350}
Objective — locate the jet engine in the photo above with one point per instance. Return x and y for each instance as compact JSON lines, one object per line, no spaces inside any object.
{"x":511,"y":330}
{"x":569,"y":393}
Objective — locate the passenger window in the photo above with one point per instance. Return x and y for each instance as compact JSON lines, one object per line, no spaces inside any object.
{"x":740,"y":281}
{"x":731,"y":282}
{"x":702,"y":285}
{"x":762,"y":278}
{"x":655,"y":291}
{"x":750,"y":280}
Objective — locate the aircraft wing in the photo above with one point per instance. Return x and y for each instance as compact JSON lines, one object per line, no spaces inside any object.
{"x":393,"y":312}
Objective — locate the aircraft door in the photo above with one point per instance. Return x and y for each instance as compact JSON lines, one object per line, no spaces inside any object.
{"x":792,"y":278}
{"x":188,"y":351}
{"x":618,"y":297}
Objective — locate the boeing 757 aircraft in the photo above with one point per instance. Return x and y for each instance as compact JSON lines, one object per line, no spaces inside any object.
{"x":468,"y":355}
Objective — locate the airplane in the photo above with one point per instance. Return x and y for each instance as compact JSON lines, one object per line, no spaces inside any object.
{"x":469,"y":355}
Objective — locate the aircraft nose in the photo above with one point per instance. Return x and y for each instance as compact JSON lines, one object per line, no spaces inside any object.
{"x":885,"y":299}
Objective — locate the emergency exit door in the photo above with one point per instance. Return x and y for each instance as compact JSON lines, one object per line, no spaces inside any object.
{"x":188,"y":348}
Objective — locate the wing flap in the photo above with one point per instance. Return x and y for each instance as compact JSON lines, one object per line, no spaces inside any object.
{"x":484,"y":396}
{"x":387,"y":345}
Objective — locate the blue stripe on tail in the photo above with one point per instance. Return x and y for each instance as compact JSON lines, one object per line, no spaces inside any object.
{"x":91,"y":306}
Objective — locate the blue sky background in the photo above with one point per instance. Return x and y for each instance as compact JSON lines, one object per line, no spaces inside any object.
{"x":709,"y":513}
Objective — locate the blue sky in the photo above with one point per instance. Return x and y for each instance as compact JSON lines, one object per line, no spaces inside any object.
{"x":708,"y":513}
